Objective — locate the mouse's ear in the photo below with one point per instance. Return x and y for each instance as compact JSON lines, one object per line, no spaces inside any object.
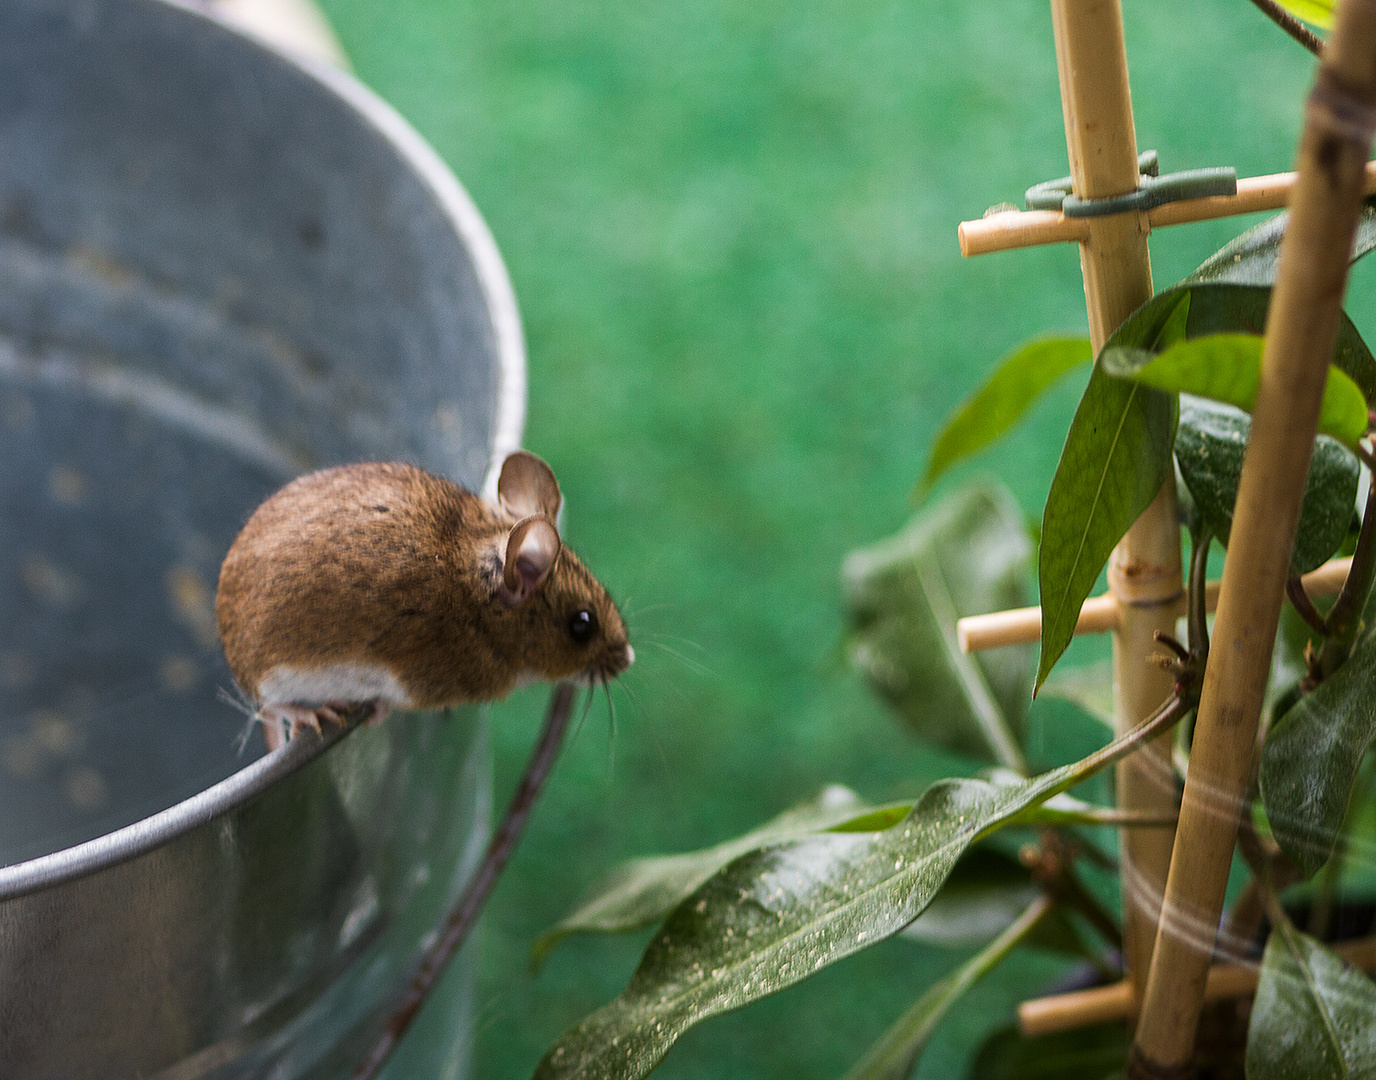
{"x":531,"y":548}
{"x":527,"y":486}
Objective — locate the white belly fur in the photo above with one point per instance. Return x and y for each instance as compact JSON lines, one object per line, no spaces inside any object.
{"x":285,"y":684}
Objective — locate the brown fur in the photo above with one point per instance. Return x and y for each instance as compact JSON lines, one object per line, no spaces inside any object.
{"x":386,"y":564}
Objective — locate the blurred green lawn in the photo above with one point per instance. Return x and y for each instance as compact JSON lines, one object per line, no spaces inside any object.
{"x":731,"y":228}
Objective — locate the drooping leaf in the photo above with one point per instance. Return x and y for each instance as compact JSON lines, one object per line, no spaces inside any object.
{"x":1209,"y":447}
{"x":776,"y":915}
{"x":895,"y":1054}
{"x":1252,"y":258}
{"x":1021,"y":377}
{"x":1227,"y":368}
{"x":1222,"y":307}
{"x":1092,"y":1053}
{"x":1310,"y":758}
{"x":640,"y":892}
{"x":1314,"y":1017}
{"x":1117,"y":455}
{"x":1318,"y":12}
{"x":966,"y":555}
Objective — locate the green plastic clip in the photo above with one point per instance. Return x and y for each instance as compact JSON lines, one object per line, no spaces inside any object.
{"x":1152,"y":190}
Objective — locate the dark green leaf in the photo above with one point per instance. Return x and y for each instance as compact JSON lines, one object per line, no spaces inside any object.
{"x":1227,"y":368}
{"x":1092,"y":1053}
{"x":1209,"y":448}
{"x":1310,"y":759}
{"x":642,"y":891}
{"x":1314,"y":1017}
{"x":1021,"y":378}
{"x":1117,"y":455}
{"x":963,"y":556}
{"x":779,"y":914}
{"x":1251,"y":258}
{"x":894,"y":1055}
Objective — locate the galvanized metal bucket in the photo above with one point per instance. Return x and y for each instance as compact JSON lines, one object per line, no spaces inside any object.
{"x":219,"y":267}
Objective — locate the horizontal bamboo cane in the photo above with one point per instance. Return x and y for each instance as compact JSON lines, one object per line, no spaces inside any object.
{"x":1101,"y":1004}
{"x":1029,"y":228}
{"x":1099,"y":614}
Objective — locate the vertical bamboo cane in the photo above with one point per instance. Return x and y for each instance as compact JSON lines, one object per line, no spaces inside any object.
{"x":1144,"y":573}
{"x":1300,"y":332}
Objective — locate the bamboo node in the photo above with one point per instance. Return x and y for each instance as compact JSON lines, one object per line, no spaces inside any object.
{"x":1338,"y":109}
{"x":1142,"y":584}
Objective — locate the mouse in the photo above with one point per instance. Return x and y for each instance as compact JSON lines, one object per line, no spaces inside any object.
{"x":384,"y":585}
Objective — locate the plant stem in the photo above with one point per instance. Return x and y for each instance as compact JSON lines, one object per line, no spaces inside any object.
{"x":1291,"y":25}
{"x":465,"y":913}
{"x":1304,"y":607}
{"x":1345,"y":616}
{"x":1198,"y":619}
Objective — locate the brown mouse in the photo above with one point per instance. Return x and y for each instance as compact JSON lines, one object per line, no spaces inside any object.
{"x":381,"y":583}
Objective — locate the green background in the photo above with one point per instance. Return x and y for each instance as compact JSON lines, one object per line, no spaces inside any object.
{"x":732,"y":231}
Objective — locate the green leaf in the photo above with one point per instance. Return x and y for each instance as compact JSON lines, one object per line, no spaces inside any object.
{"x":1318,"y":12}
{"x":1117,"y":455}
{"x":1227,"y":368}
{"x":1252,"y":258}
{"x":1092,"y":1053}
{"x":894,"y":1055}
{"x":1222,"y":307}
{"x":1114,"y":450}
{"x":1209,"y":448}
{"x":640,"y":892}
{"x":774,"y":916}
{"x":1310,"y":758}
{"x":1176,"y":328}
{"x":965,"y":555}
{"x":1021,"y":377}
{"x":1314,"y":1017}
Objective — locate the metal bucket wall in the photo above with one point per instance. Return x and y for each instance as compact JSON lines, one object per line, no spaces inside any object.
{"x":218,"y":268}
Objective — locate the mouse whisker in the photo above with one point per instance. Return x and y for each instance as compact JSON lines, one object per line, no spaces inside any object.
{"x":611,"y":728}
{"x":686,"y":661}
{"x":577,"y":728}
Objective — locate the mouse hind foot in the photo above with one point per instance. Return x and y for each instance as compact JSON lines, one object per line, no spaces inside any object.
{"x":282,"y":722}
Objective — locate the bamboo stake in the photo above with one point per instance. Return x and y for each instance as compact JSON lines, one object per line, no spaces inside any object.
{"x":1029,"y":228}
{"x":1301,"y":329}
{"x":1099,"y":614}
{"x":1101,"y":1004}
{"x":1144,"y":572}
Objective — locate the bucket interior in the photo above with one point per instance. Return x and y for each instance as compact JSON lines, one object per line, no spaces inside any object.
{"x":212,"y":278}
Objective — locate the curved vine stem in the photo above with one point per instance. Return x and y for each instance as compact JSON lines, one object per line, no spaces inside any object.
{"x":465,"y":913}
{"x":1291,"y":25}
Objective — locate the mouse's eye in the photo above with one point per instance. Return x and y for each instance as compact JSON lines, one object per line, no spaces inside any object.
{"x":582,"y":626}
